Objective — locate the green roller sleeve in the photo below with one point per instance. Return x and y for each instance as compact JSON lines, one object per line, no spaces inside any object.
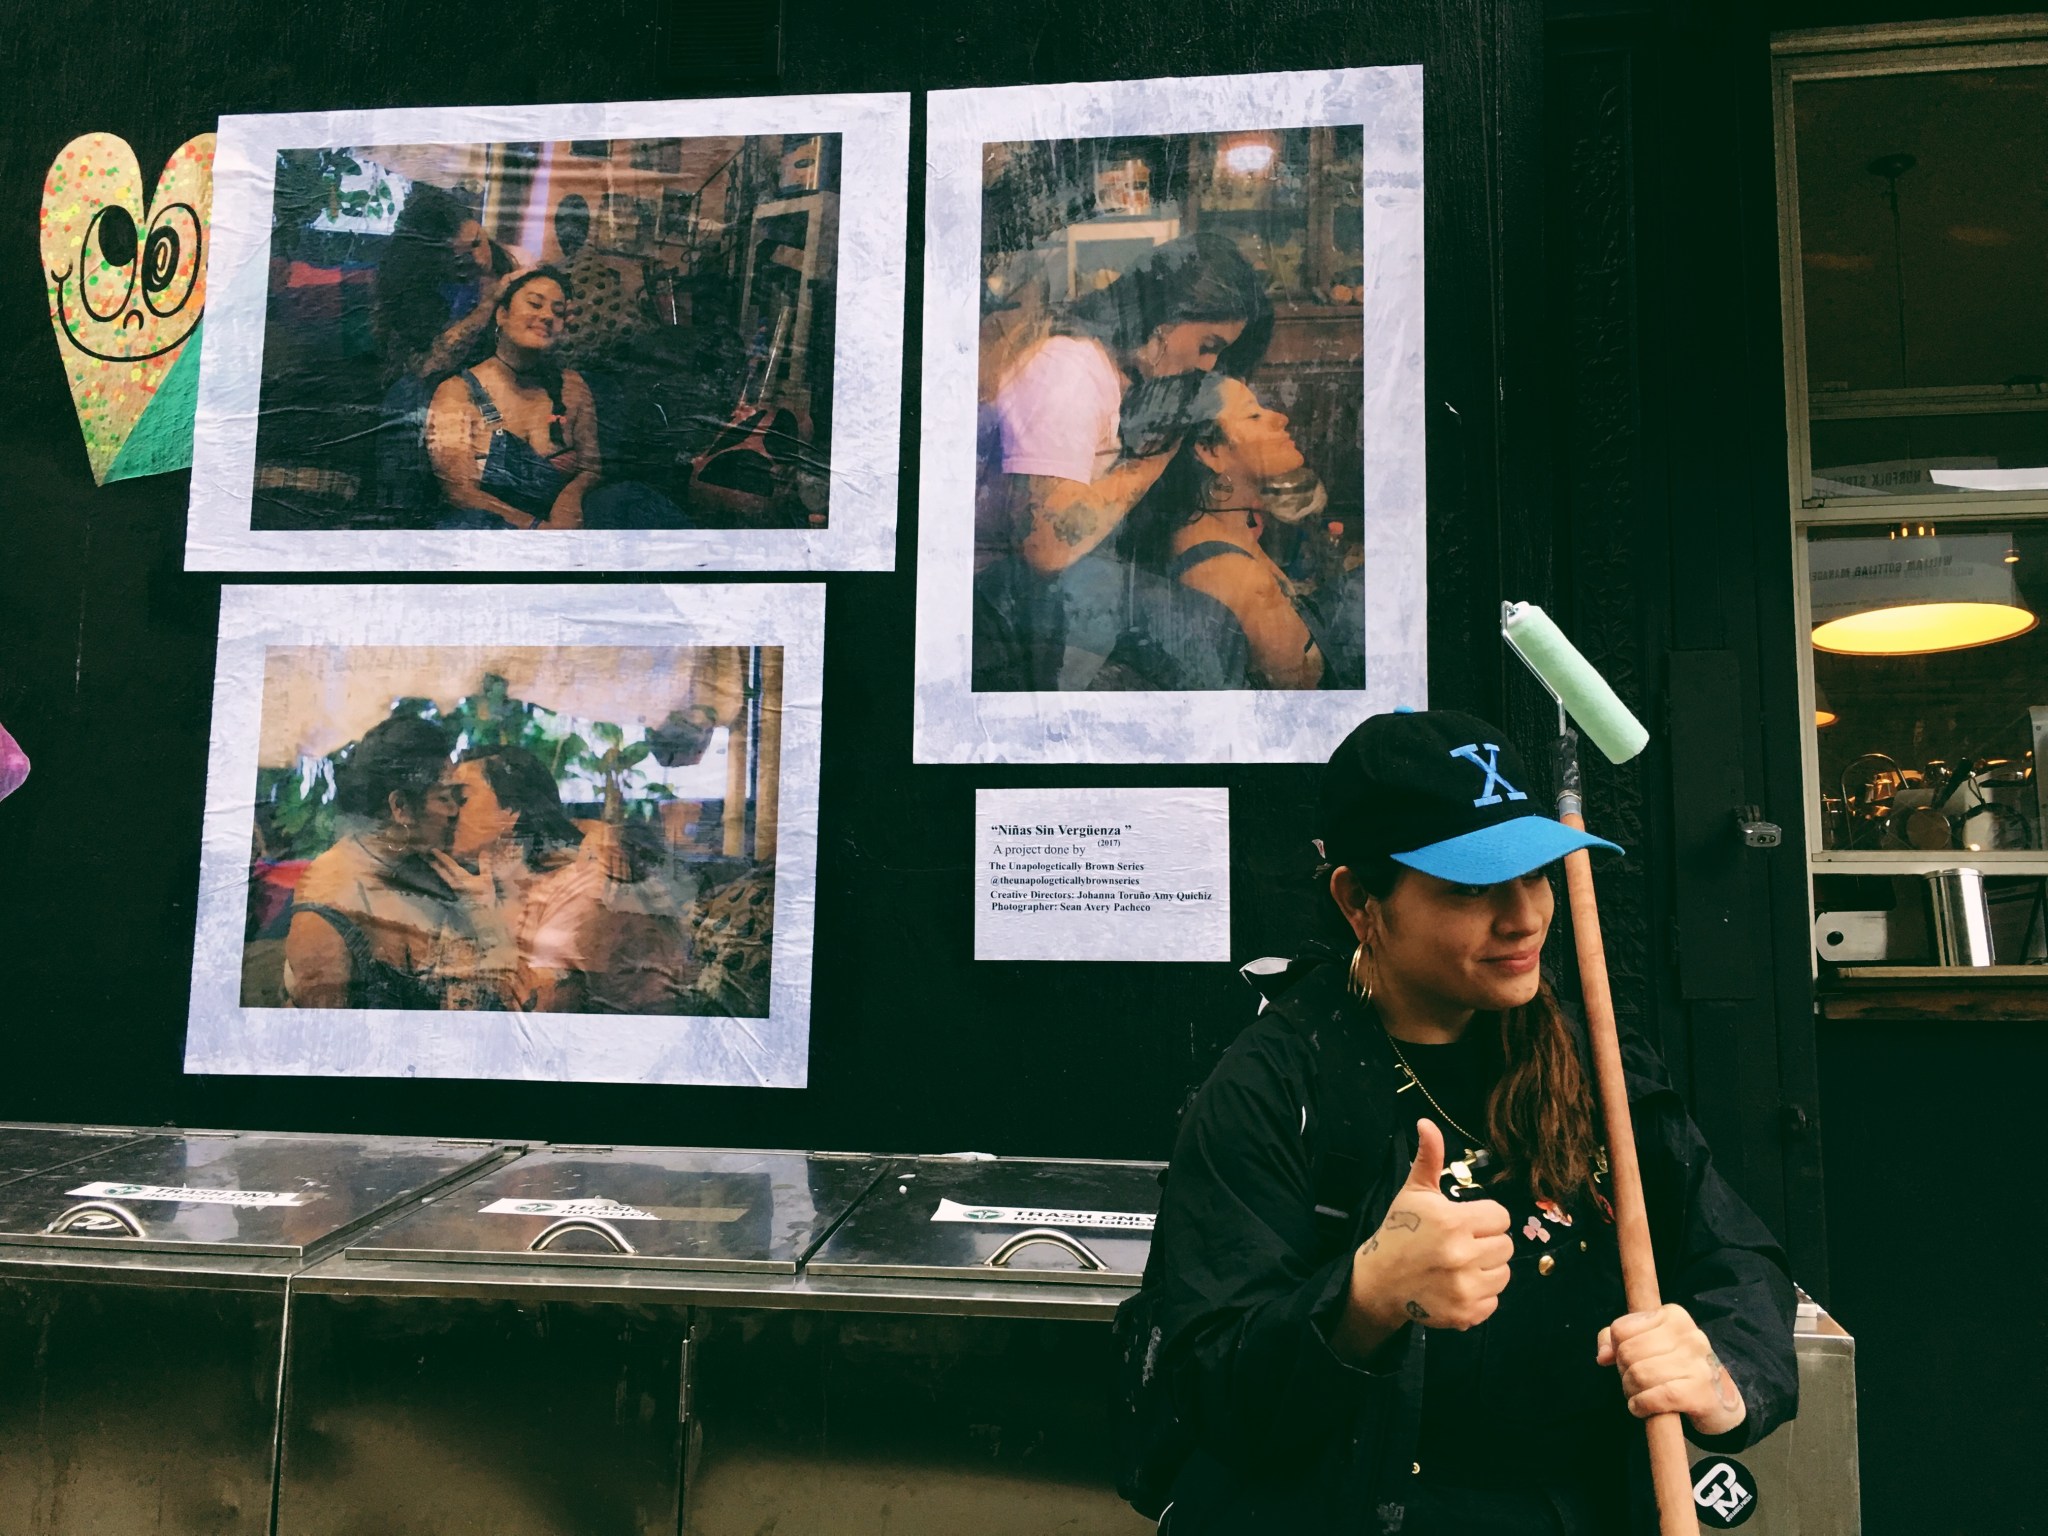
{"x":1568,"y":675}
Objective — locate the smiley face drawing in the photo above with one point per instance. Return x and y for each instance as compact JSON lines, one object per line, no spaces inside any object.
{"x":127,"y":287}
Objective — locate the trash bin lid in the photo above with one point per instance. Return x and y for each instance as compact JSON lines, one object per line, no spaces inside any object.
{"x":636,"y":1208}
{"x":247,"y":1193}
{"x":26,"y":1149}
{"x":1003,"y":1219}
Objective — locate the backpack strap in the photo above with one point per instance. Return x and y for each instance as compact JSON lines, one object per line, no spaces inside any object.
{"x":1347,"y":1132}
{"x":1350,"y":1124}
{"x":1354,"y":1122}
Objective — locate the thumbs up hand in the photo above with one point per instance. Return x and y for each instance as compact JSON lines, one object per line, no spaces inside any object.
{"x":1426,"y":1173}
{"x":1435,"y":1261}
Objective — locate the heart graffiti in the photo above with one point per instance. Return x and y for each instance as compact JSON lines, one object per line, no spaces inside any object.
{"x":127,"y":288}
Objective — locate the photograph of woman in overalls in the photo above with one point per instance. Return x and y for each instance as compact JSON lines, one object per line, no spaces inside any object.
{"x":513,"y":438}
{"x":1384,"y":1291}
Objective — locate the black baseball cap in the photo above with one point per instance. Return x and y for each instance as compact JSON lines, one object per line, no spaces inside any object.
{"x":1443,"y":792}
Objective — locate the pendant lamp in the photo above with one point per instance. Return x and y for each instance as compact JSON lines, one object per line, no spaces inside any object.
{"x":1823,"y":717}
{"x":1914,"y":593}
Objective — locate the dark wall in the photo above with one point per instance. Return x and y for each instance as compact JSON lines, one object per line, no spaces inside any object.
{"x":1675,"y":528}
{"x":106,"y":656}
{"x":1672,"y":537}
{"x":1606,"y":437}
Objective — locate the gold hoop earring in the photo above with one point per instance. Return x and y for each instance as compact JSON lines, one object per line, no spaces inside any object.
{"x":1363,"y":974}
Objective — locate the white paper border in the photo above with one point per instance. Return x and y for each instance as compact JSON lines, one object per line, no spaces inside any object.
{"x":867,"y":376}
{"x":953,"y":723}
{"x":225,"y":1037}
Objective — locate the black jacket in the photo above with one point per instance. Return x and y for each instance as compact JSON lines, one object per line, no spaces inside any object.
{"x":1291,"y":1438}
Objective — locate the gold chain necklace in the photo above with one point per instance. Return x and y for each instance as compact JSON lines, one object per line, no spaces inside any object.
{"x":1476,"y":1141}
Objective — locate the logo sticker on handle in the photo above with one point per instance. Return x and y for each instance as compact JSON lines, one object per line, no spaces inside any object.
{"x":256,"y":1199}
{"x":1043,"y":1216}
{"x":607,"y":1210}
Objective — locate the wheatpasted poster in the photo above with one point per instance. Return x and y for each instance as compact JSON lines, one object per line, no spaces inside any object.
{"x":1172,"y":481}
{"x":628,"y":336}
{"x":564,"y":833}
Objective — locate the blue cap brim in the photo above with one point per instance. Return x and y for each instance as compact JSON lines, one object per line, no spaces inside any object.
{"x":1505,"y":851}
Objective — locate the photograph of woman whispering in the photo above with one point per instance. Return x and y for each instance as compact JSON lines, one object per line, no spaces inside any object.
{"x":1170,"y":485}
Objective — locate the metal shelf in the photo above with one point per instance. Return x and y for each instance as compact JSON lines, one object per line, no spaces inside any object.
{"x":1893,"y":975}
{"x":2005,"y":864}
{"x":1955,"y":400}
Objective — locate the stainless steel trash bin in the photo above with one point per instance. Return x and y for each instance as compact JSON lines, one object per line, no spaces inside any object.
{"x":513,"y":1358}
{"x":1803,"y":1475}
{"x":26,"y":1149}
{"x":946,"y":1367}
{"x":1018,"y":1219}
{"x":142,"y":1318}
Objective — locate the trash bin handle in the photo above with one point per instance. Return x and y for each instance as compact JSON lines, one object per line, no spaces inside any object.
{"x":603,"y":1229}
{"x":1000,"y":1259}
{"x":120,"y":1213}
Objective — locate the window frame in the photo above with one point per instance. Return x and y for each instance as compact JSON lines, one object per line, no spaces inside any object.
{"x":1866,"y":53}
{"x":1854,"y":53}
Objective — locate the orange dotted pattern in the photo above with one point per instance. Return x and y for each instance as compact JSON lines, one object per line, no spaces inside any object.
{"x":126,"y":279}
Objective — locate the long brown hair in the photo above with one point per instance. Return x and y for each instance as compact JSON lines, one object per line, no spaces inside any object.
{"x":1539,"y":1117}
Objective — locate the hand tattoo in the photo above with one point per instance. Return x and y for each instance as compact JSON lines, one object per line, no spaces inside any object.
{"x":1401,"y":1221}
{"x":1416,"y":1310}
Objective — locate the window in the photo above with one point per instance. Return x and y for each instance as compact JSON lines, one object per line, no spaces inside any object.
{"x":1913,"y":189}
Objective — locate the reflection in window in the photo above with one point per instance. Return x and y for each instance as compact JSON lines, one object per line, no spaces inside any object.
{"x":1923,"y":240}
{"x":1931,"y":676}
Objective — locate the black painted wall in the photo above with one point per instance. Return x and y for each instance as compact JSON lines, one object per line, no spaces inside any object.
{"x":1675,"y":527}
{"x":1605,"y":437}
{"x":106,"y":643}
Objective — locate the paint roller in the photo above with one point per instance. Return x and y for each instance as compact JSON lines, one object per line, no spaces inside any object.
{"x":1583,"y":695}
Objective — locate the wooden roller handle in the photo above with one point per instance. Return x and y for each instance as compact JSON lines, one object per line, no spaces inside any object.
{"x":1670,"y":1469}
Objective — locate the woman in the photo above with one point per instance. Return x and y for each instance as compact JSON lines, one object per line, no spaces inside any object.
{"x":386,"y":918}
{"x":596,"y":931}
{"x":1203,"y":523}
{"x":517,"y":844}
{"x":513,"y":438}
{"x":1062,"y":480}
{"x":1358,"y":1332}
{"x":436,"y":284}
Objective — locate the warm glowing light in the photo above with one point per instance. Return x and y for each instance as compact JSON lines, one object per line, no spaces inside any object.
{"x":1250,"y":159}
{"x":1823,"y":718}
{"x":1916,"y":629}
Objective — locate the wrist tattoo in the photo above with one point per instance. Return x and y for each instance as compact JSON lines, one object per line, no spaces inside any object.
{"x":1416,"y":1310}
{"x":1401,"y":1221}
{"x":1725,"y":1392}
